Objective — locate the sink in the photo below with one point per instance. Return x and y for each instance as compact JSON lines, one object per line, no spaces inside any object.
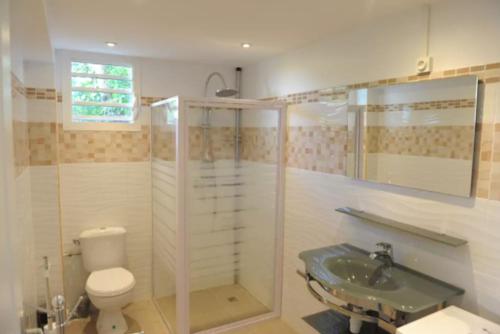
{"x":363,"y":272}
{"x":348,"y":273}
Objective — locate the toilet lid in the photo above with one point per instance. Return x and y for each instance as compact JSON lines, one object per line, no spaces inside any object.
{"x":110,"y":282}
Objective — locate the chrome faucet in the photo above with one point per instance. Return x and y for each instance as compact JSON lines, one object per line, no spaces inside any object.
{"x":385,"y":254}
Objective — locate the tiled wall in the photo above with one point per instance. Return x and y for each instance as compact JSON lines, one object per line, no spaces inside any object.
{"x":314,"y":190}
{"x":446,"y":141}
{"x":23,"y":234}
{"x":20,"y":127}
{"x":259,"y":144}
{"x":319,"y":148}
{"x":428,"y":105}
{"x":104,"y":146}
{"x":105,"y":180}
{"x":53,"y":156}
{"x":322,"y":146}
{"x":44,"y":185}
{"x":110,"y":194}
{"x":221,"y":143}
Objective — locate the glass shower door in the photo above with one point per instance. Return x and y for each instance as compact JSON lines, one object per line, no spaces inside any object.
{"x":164,"y":119}
{"x":217,"y":190}
{"x":231,"y":198}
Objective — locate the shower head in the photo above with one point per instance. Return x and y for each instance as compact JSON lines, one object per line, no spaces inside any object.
{"x":226,"y":92}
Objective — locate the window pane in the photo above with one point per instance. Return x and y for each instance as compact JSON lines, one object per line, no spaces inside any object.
{"x":102,"y":97}
{"x":89,"y":68}
{"x":122,"y":71}
{"x":102,"y":114}
{"x":101,"y":83}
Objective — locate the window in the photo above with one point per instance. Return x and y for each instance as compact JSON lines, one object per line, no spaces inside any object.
{"x":102,"y":93}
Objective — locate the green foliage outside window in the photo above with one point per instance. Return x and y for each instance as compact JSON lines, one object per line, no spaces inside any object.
{"x":123,"y":99}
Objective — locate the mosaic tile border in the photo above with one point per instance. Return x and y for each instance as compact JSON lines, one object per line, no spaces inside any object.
{"x":428,"y":105}
{"x":41,"y":93}
{"x":103,"y":146}
{"x":449,"y":142}
{"x":486,"y":172}
{"x":321,"y":148}
{"x":489,"y":73}
{"x":147,"y":101}
{"x":488,"y":132}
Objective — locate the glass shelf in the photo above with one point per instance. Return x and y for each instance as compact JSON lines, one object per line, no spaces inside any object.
{"x":382,"y":221}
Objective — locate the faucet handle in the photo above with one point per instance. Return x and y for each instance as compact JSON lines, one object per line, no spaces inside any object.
{"x":385,"y":246}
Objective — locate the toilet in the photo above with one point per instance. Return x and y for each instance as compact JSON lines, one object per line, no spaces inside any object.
{"x":109,"y":285}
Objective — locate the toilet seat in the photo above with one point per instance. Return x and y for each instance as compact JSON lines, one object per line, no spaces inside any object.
{"x":110,"y":282}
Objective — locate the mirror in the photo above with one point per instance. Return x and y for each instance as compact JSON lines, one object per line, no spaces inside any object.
{"x":418,"y":135}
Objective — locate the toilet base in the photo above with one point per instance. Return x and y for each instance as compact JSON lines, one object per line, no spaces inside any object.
{"x":111,"y":322}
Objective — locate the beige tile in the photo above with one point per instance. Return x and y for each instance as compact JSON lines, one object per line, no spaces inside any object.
{"x":139,"y":316}
{"x":216,"y":307}
{"x":275,"y":326}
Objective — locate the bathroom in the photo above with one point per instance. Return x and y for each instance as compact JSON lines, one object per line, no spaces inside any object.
{"x":209,"y":167}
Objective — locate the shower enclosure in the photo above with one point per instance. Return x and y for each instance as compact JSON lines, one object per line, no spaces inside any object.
{"x":218,"y":178}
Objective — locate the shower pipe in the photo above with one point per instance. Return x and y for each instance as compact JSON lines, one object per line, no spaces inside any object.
{"x":224,"y":92}
{"x":237,"y":118}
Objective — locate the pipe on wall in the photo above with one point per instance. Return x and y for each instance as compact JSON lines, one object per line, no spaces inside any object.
{"x":237,"y":118}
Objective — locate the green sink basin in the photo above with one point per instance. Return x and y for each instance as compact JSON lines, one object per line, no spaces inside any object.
{"x":348,"y":273}
{"x":363,"y":272}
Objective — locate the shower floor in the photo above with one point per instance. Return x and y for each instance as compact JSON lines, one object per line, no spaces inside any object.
{"x":143,"y":315}
{"x":215,"y":307}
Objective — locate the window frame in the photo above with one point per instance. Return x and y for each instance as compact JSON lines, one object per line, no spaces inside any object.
{"x":67,"y":89}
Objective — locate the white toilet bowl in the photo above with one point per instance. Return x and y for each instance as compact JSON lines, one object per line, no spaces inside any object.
{"x":110,"y":290}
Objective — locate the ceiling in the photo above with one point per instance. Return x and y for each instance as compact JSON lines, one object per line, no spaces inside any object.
{"x":208,"y":31}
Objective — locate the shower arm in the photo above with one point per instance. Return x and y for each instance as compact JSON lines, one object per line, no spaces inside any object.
{"x":217,"y":74}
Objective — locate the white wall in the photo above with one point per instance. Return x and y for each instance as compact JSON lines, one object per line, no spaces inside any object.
{"x":39,"y":74}
{"x":9,"y":281}
{"x":111,"y":194}
{"x":162,"y":78}
{"x":462,"y":34}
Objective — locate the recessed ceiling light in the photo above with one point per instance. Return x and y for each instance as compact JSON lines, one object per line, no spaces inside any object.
{"x":246,"y":45}
{"x":111,"y":44}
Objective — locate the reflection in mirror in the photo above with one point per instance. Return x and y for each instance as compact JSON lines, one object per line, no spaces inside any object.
{"x":418,"y":135}
{"x":318,"y":130}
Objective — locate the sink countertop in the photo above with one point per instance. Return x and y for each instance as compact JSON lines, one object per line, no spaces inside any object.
{"x":416,"y":291}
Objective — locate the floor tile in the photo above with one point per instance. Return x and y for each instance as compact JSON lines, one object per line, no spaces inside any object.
{"x":216,"y":307}
{"x":144,"y":315}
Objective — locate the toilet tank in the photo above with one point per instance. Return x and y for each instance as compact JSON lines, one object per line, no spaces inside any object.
{"x":103,"y":248}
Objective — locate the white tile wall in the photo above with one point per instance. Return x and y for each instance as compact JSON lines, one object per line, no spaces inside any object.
{"x":226,"y":245}
{"x":45,"y":209}
{"x":45,"y":206}
{"x":212,"y":217}
{"x":25,"y":245}
{"x":23,"y":233}
{"x":311,"y":222}
{"x":164,"y":227}
{"x":111,"y":194}
{"x":258,"y":236}
{"x":434,"y":174}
